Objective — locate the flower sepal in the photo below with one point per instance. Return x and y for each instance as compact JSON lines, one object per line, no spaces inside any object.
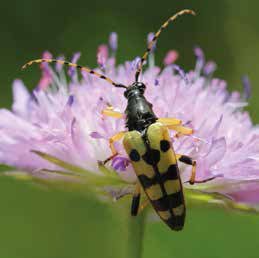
{"x":75,"y":178}
{"x":206,"y":199}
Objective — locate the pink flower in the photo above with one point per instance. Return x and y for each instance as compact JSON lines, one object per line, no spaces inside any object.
{"x":58,"y":134}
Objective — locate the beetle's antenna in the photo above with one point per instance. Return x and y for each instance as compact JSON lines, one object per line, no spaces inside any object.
{"x":82,"y":68}
{"x":151,"y":43}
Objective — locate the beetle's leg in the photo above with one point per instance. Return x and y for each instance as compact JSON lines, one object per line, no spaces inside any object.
{"x":175,"y":124}
{"x":110,"y":112}
{"x":169,"y":121}
{"x":135,"y":200}
{"x":136,"y":206}
{"x":143,"y":205}
{"x":189,"y":161}
{"x":180,"y":129}
{"x":113,"y":139}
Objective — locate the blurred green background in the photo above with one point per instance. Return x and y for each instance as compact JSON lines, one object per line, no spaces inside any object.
{"x":39,"y":223}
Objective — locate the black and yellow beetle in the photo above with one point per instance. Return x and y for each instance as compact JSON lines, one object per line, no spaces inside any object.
{"x":148,"y":145}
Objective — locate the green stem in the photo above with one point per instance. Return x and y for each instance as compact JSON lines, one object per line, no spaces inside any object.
{"x":136,"y":235}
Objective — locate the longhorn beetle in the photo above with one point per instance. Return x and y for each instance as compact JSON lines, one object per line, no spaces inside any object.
{"x":148,"y":145}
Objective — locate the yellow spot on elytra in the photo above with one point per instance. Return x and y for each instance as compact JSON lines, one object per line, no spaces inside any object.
{"x":172,"y":186}
{"x":165,"y":215}
{"x":178,"y":211}
{"x":154,"y":192}
{"x":133,"y":140}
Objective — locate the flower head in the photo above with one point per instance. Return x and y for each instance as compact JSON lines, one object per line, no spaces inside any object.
{"x":58,"y":133}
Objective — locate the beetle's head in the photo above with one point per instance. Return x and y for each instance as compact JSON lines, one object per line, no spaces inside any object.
{"x":137,"y":88}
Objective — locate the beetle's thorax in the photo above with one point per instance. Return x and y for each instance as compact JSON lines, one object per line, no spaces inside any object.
{"x":139,"y":113}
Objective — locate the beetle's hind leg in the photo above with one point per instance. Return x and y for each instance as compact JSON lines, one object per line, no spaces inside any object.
{"x":135,"y":200}
{"x":136,"y":206}
{"x":189,"y":161}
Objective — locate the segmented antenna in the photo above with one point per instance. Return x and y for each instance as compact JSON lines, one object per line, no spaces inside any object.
{"x":82,"y":68}
{"x":151,"y":43}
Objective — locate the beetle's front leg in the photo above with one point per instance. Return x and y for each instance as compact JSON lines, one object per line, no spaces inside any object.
{"x":175,"y":124}
{"x":109,"y":111}
{"x":113,"y":139}
{"x":169,"y":121}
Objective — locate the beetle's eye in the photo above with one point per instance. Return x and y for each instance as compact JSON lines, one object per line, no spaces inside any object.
{"x":126,"y":94}
{"x":141,"y":87}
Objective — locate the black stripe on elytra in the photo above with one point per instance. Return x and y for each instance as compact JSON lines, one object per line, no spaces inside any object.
{"x":146,"y":182}
{"x":151,"y":156}
{"x":176,"y":222}
{"x":185,"y":159}
{"x":168,"y":202}
{"x":171,"y":174}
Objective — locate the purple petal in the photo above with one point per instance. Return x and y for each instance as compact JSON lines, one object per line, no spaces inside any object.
{"x":200,"y":59}
{"x":120,"y":163}
{"x":199,"y":53}
{"x":171,"y":57}
{"x":46,"y":77}
{"x":247,"y":86}
{"x":248,"y":195}
{"x":134,"y":64}
{"x":72,"y":70}
{"x":209,"y":68}
{"x":217,"y":151}
{"x":102,"y":55}
{"x":21,"y":98}
{"x":113,"y":41}
{"x":150,"y":37}
{"x":70,"y":100}
{"x":58,"y":65}
{"x":181,"y":72}
{"x":96,"y":135}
